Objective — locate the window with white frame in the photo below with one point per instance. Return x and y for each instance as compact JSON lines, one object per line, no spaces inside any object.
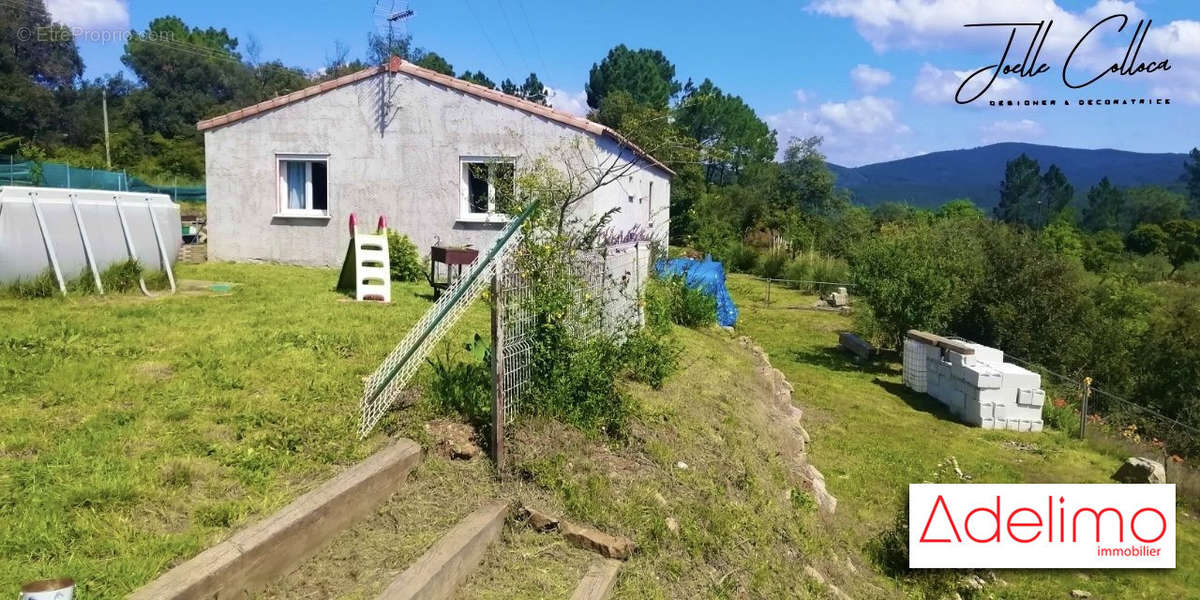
{"x":303,"y":184}
{"x":488,"y":188}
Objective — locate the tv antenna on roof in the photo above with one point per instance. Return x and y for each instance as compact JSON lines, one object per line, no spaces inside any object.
{"x":390,"y":13}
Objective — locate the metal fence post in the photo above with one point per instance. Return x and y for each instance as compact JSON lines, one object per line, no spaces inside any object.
{"x":768,"y":292}
{"x":1083,"y":407}
{"x":498,"y":370}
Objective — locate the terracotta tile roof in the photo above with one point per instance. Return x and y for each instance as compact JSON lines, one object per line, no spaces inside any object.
{"x":396,"y":65}
{"x":284,"y":100}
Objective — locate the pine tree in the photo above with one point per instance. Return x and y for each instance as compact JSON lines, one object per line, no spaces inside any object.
{"x":533,"y":89}
{"x":1020,"y":191}
{"x":1192,"y":177}
{"x":1106,"y":206}
{"x":1057,"y":193}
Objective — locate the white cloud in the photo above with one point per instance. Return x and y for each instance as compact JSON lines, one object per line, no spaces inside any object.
{"x":889,"y":24}
{"x":868,"y":115}
{"x":1024,"y":130}
{"x":1178,"y":40}
{"x":802,"y":96}
{"x":939,"y":86}
{"x":1107,"y":8}
{"x":869,"y":79}
{"x":110,"y":15}
{"x":856,"y":132}
{"x":940,"y":24}
{"x":574,"y":103}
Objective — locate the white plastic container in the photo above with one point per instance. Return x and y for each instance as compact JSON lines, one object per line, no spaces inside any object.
{"x":48,"y":589}
{"x":916,"y":355}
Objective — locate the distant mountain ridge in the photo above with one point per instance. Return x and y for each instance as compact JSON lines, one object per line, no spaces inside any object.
{"x":932,"y":179}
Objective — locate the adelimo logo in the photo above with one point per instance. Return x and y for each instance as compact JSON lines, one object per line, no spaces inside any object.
{"x":1041,"y":526}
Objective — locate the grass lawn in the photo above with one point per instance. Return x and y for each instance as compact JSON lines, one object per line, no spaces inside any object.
{"x":872,"y":437}
{"x":135,"y":432}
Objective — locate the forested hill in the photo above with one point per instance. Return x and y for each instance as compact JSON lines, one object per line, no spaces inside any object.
{"x":933,"y":179}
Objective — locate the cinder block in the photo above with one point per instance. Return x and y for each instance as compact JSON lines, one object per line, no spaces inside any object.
{"x":1001,"y":411}
{"x":1013,"y":425}
{"x":1034,"y":398}
{"x":987,"y":354}
{"x":999,"y":424}
{"x":1023,"y":412}
{"x":1018,"y":377}
{"x":988,"y":423}
{"x":1036,"y":426}
{"x":998,"y":396}
{"x":980,"y":375}
{"x":974,"y":413}
{"x":954,"y":401}
{"x":957,"y":360}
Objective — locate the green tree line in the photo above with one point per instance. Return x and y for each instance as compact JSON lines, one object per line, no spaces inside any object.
{"x":181,"y":74}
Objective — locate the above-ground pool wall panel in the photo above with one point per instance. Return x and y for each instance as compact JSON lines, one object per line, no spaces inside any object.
{"x":23,"y":252}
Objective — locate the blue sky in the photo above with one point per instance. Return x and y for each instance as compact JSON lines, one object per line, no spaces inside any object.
{"x":876,"y":78}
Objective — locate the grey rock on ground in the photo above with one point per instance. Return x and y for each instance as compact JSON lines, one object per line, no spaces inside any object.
{"x":1141,"y":470}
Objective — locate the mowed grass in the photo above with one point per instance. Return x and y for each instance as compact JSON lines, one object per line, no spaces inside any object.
{"x":872,"y":437}
{"x":136,"y":432}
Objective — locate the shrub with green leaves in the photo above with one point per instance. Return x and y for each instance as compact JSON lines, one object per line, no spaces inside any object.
{"x":651,"y":357}
{"x":670,"y":300}
{"x":917,"y":277}
{"x":773,"y":265}
{"x":889,"y":551}
{"x":405,"y":261}
{"x":463,"y":385}
{"x":740,"y":258}
{"x":808,"y":267}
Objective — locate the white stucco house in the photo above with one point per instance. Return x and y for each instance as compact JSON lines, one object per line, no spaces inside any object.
{"x":426,"y":150}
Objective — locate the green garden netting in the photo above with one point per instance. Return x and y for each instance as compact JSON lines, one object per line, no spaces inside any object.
{"x":15,"y":170}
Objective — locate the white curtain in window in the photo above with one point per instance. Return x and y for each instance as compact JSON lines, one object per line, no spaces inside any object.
{"x":295,"y":182}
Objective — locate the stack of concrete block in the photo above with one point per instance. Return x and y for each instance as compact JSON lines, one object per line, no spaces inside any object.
{"x":978,"y":387}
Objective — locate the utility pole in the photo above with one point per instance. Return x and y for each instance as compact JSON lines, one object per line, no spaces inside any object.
{"x":104,"y":108}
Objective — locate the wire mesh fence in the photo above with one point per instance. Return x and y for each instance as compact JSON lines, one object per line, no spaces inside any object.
{"x":513,"y":323}
{"x":1120,"y":424}
{"x":821,"y":289}
{"x":17,"y":170}
{"x":607,"y":299}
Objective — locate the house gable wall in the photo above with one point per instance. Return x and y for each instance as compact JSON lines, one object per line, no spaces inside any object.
{"x":394,"y":144}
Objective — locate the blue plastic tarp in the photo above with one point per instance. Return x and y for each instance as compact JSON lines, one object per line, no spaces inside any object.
{"x":707,"y":276}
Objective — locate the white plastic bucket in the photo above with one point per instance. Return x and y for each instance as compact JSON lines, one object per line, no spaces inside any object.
{"x":48,"y":589}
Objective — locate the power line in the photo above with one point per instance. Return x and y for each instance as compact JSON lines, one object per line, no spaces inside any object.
{"x":536,"y":46}
{"x":511,"y":32}
{"x":482,"y":29}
